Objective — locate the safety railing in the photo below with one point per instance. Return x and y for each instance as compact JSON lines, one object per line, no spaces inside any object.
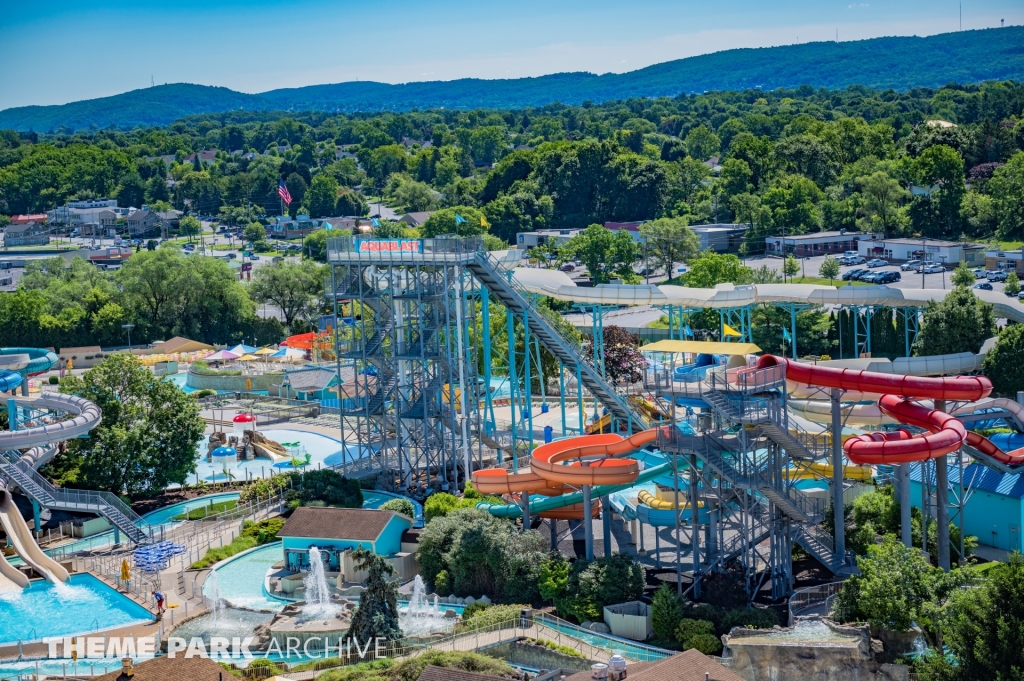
{"x":811,"y":599}
{"x":403,"y":251}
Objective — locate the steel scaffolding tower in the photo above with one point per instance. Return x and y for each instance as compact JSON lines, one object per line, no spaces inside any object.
{"x":412,"y":403}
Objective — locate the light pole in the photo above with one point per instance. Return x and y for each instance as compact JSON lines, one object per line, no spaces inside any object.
{"x":128,"y":328}
{"x":943,"y":259}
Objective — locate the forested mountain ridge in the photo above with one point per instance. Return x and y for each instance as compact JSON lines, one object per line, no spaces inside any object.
{"x":899,"y":63}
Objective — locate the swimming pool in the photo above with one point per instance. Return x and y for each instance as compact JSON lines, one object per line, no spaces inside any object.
{"x":323,"y":452}
{"x":85,"y":604}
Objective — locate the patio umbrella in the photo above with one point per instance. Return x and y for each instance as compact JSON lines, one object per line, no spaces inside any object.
{"x":265,"y":351}
{"x":223,"y":355}
{"x":288,"y":353}
{"x":247,"y":358}
{"x":242,"y":349}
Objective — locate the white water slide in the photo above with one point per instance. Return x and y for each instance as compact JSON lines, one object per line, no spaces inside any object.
{"x":555,"y":284}
{"x":21,"y":538}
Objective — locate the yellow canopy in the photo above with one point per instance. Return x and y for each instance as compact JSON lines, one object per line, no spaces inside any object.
{"x":709,"y":347}
{"x":265,"y":351}
{"x":246,"y":358}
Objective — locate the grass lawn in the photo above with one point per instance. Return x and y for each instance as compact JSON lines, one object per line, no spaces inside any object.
{"x":1010,"y":245}
{"x":821,"y":281}
{"x":212,"y":509}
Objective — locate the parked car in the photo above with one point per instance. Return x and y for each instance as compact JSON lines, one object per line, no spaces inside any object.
{"x":910,"y":265}
{"x":854,"y":260}
{"x":869,"y":277}
{"x":932,"y":268}
{"x":877,"y":262}
{"x":887,"y":277}
{"x":979,"y":272}
{"x":998,"y":275}
{"x":983,"y":286}
{"x":1020,"y":296}
{"x":254,"y":257}
{"x":569,"y":267}
{"x":232,"y":255}
{"x":852,"y":274}
{"x":851,"y":254}
{"x":276,"y":259}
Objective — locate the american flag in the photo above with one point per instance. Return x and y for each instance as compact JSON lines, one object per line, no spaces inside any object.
{"x":282,"y":191}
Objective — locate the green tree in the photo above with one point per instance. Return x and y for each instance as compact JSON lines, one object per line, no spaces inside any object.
{"x":156,"y":190}
{"x":351,"y":203}
{"x":131,"y":190}
{"x":553,"y":577}
{"x":314,"y":246}
{"x":894,"y":585}
{"x":1012,"y":285}
{"x":699,"y":634}
{"x":293,"y":287}
{"x":1004,"y":363}
{"x":1007,"y":189}
{"x":254,"y":232}
{"x":882,"y":197}
{"x":710,"y":269}
{"x":985,"y":630}
{"x":963,"y":276}
{"x":959,"y":323}
{"x":790,"y":266}
{"x":701,"y":143}
{"x":941,"y":167}
{"x":603,"y":252}
{"x":377,"y":614}
{"x":666,"y":612}
{"x":190,"y":226}
{"x":403,"y":506}
{"x":829,"y":268}
{"x":322,"y":196}
{"x":148,"y":436}
{"x":668,"y":241}
{"x":443,"y":222}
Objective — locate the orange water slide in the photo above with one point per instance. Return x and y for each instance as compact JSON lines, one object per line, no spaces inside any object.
{"x":986,"y":446}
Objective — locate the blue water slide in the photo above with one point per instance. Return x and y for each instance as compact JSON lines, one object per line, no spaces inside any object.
{"x":39,"y":360}
{"x":9,"y":380}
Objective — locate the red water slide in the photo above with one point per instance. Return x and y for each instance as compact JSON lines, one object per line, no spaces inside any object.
{"x":946,"y":433}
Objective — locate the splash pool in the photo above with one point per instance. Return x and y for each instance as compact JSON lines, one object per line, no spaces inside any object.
{"x":323,"y":452}
{"x":85,"y":604}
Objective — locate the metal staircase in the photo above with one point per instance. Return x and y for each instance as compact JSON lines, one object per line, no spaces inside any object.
{"x":18,"y":474}
{"x":568,"y":352}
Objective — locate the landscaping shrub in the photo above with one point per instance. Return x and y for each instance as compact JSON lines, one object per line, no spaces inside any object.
{"x":699,"y":634}
{"x":205,"y":392}
{"x":410,"y":670}
{"x":481,"y":555}
{"x":53,"y":380}
{"x":253,"y":535}
{"x":666,"y":612}
{"x":208,"y":510}
{"x":474,"y":609}
{"x":443,"y":583}
{"x":440,"y":504}
{"x":263,"y":488}
{"x":264,"y":531}
{"x":403,"y":506}
{"x":327,"y":486}
{"x":494,"y":614}
{"x":605,"y":581}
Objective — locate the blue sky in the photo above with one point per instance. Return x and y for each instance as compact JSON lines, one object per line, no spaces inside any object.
{"x":61,"y":51}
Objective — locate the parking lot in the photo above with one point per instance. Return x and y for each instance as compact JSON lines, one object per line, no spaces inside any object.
{"x":810,"y":267}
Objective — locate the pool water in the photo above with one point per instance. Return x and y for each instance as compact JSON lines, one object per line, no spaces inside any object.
{"x":85,"y":604}
{"x":324,"y":452}
{"x":240,"y":580}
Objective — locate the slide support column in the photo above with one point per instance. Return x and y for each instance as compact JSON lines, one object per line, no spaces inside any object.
{"x":903,"y":475}
{"x":606,"y":525}
{"x":38,"y":526}
{"x":694,"y":525}
{"x":837,"y":479}
{"x":526,"y":510}
{"x":588,"y":524}
{"x":942,"y":501}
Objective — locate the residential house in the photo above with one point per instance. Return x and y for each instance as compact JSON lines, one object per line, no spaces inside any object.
{"x":28,"y":234}
{"x":417,"y":218}
{"x":206,"y":156}
{"x":337,"y":532}
{"x":933,"y":250}
{"x":171,"y":218}
{"x":166,"y":668}
{"x":818,"y":243}
{"x":143,"y":222}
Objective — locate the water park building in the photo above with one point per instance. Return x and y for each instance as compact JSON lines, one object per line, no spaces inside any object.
{"x":337,"y":532}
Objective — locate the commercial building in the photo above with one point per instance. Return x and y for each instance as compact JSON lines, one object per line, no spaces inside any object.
{"x":818,"y":243}
{"x":143,"y":222}
{"x":723,"y":237}
{"x":526,"y":240}
{"x":25,"y":219}
{"x":1005,"y":260}
{"x":284,"y":227}
{"x":932,"y":250}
